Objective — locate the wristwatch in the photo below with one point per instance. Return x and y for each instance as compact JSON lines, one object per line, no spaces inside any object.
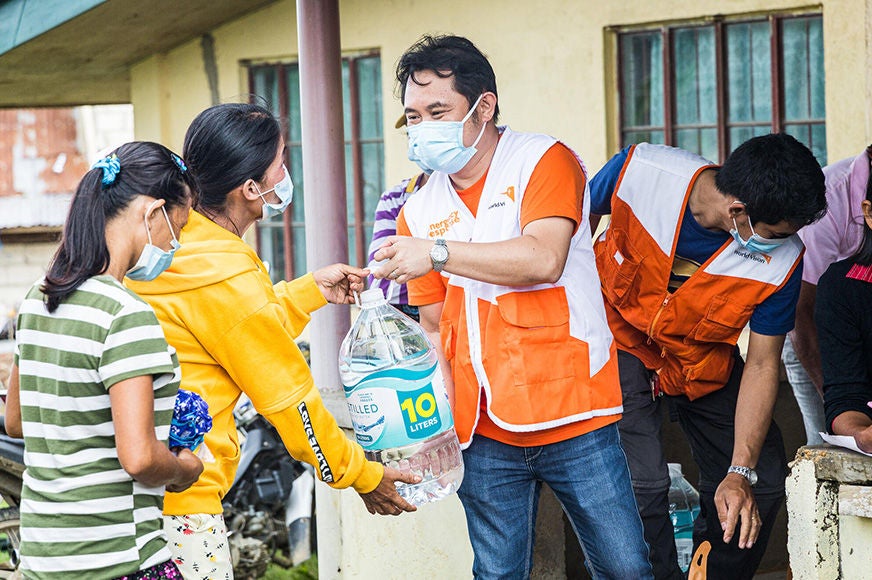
{"x":745,"y":472}
{"x":439,"y":254}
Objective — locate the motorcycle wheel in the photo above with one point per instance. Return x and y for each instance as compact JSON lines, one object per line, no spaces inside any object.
{"x":10,"y":540}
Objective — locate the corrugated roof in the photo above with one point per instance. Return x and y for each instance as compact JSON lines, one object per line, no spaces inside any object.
{"x":46,"y":210}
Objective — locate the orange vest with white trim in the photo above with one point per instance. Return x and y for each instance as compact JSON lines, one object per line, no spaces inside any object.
{"x":543,"y":354}
{"x":687,"y":336}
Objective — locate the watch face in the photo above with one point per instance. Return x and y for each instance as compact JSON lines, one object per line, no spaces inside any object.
{"x":439,"y":253}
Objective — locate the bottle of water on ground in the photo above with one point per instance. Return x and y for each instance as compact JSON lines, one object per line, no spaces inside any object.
{"x":396,"y":396}
{"x":683,"y":509}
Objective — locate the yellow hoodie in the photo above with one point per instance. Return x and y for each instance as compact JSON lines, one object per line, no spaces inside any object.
{"x":234,"y":332}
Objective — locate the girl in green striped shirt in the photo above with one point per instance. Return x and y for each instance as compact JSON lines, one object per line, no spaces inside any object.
{"x":94,"y":381}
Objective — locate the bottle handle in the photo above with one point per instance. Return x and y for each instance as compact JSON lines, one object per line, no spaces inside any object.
{"x":699,"y":563}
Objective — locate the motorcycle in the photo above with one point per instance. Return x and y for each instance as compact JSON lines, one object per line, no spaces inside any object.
{"x":269,"y":511}
{"x":11,"y":471}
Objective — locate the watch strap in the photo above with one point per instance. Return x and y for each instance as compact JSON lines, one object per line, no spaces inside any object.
{"x":745,"y":472}
{"x":439,"y":245}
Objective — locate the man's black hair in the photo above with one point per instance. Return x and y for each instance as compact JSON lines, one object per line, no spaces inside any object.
{"x":777,"y":178}
{"x":449,"y":56}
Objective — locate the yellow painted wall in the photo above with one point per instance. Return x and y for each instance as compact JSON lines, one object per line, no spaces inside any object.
{"x":554,"y":61}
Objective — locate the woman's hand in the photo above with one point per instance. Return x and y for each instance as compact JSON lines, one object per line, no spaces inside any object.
{"x":384,"y":499}
{"x":190,"y":468}
{"x":339,"y":282}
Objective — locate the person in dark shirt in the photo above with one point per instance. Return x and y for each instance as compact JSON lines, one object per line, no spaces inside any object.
{"x":844,"y":321}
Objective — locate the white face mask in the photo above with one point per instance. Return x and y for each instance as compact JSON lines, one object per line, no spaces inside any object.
{"x":284,"y":190}
{"x":438,"y":145}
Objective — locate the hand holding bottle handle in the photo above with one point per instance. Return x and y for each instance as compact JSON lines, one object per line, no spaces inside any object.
{"x":384,"y":499}
{"x":339,"y":282}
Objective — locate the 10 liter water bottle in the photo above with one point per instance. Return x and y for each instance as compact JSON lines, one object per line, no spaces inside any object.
{"x":397,"y":400}
{"x":683,"y":509}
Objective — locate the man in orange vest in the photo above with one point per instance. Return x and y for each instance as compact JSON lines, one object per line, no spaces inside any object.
{"x":692,"y":254}
{"x":501,"y":265}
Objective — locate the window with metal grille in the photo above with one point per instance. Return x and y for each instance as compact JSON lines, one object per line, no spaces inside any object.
{"x":708,"y":87}
{"x":281,"y":240}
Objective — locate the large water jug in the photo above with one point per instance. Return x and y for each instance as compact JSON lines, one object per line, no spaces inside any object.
{"x":396,"y":396}
{"x":683,"y":509}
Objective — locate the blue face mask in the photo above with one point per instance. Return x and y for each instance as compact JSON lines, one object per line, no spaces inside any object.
{"x":438,"y":145}
{"x":756,"y":243}
{"x":153,"y":261}
{"x":284,"y":190}
{"x":420,"y":164}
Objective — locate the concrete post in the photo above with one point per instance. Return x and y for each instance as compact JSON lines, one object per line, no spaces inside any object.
{"x":324,"y":179}
{"x":813,"y":531}
{"x":829,"y":508}
{"x":351,"y":542}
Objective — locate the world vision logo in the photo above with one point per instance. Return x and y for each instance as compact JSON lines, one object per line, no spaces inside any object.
{"x":439,"y":228}
{"x":510,"y":192}
{"x":760,"y":258}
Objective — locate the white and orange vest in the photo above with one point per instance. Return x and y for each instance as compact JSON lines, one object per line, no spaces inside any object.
{"x":543,"y":354}
{"x":687,"y":336}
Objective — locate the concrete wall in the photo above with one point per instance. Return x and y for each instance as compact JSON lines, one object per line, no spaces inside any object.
{"x":829,"y":506}
{"x":554,"y":61}
{"x":21,"y":264}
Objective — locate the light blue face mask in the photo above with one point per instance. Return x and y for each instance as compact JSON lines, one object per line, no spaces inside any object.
{"x":153,"y":261}
{"x":421,"y":164}
{"x":284,"y":190}
{"x":438,"y":145}
{"x":756,"y":243}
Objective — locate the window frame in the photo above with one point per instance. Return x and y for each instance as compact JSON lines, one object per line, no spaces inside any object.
{"x":356,"y":143}
{"x":719,"y":23}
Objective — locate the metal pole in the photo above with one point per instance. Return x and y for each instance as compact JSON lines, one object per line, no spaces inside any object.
{"x":324,"y":179}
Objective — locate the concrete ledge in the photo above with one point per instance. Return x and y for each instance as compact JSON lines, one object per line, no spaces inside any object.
{"x":837,"y":464}
{"x":855,"y":500}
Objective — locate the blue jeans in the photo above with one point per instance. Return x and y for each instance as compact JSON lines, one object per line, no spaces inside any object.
{"x":589,"y":476}
{"x":807,"y":397}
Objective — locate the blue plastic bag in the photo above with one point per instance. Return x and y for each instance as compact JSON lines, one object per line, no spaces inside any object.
{"x":191,"y":421}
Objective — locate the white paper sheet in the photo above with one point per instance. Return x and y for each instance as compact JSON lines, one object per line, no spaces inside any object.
{"x":845,"y":441}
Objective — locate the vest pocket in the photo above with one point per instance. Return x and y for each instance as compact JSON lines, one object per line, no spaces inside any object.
{"x":723,"y":322}
{"x":529,"y":342}
{"x":617,"y":265}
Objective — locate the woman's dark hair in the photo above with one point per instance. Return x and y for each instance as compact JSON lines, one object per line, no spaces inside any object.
{"x":777,"y":178}
{"x":863,"y":255}
{"x":143,"y":168}
{"x":449,"y":56}
{"x":225,"y":146}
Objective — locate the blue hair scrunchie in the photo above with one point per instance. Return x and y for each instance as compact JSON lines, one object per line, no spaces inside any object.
{"x":180,"y":162}
{"x":191,"y":421}
{"x":110,"y":166}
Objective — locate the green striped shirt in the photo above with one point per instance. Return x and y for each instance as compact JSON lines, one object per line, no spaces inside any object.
{"x":82,"y":515}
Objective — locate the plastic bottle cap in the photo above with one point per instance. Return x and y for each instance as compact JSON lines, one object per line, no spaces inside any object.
{"x":675,"y":467}
{"x":372,"y":296}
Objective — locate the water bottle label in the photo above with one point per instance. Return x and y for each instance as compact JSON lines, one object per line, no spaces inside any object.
{"x":420,"y":413}
{"x":398,"y":407}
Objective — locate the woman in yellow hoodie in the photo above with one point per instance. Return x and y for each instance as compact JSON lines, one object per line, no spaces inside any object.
{"x":234,"y":332}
